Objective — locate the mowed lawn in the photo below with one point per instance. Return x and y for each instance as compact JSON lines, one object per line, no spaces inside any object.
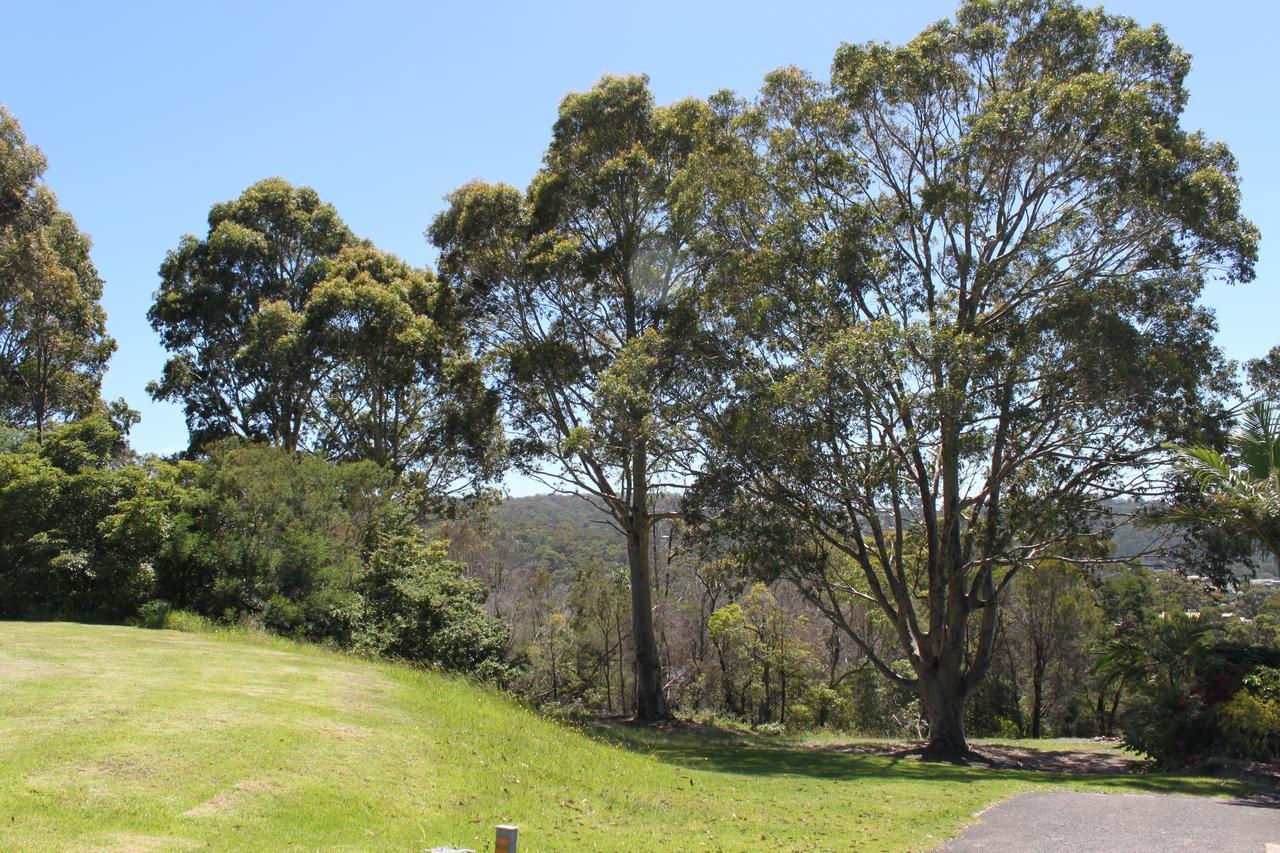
{"x":127,"y":739}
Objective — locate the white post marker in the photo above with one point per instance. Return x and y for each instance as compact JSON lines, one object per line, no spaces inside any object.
{"x":506,"y":840}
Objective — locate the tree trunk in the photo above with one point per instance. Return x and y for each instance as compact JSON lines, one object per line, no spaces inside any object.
{"x":651,"y":704}
{"x":622,"y":667}
{"x":943,"y":698}
{"x":1037,"y":699}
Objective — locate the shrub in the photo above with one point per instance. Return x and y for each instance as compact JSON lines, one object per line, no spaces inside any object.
{"x":79,"y":531}
{"x":1250,"y":719}
{"x":414,"y":604}
{"x":188,"y":622}
{"x":1197,"y":697}
{"x":153,"y":614}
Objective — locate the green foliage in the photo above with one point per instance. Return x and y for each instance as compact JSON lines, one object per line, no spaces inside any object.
{"x":286,"y":328}
{"x":1197,"y":696}
{"x":1250,"y":720}
{"x":53,"y":342}
{"x":766,"y":670}
{"x":321,"y":551}
{"x":400,"y":387}
{"x":415,"y":605}
{"x":230,"y":307}
{"x":79,"y":532}
{"x":1239,"y":491}
{"x":272,"y":536}
{"x":881,"y":707}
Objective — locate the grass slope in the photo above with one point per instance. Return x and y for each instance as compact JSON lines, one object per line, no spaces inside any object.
{"x":120,"y":738}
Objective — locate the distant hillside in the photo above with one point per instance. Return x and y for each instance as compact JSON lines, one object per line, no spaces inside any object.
{"x":560,"y":532}
{"x":1130,"y":538}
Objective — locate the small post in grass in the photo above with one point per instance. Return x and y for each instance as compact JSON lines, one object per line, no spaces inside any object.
{"x":506,"y":840}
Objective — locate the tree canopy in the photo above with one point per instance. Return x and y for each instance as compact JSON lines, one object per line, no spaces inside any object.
{"x":579,"y":291}
{"x":54,"y":345}
{"x":960,"y":283}
{"x":230,"y":308}
{"x":286,"y":328}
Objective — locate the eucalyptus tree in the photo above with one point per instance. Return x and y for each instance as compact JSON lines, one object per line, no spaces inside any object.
{"x":54,"y":345}
{"x":580,"y":289}
{"x":230,"y":309}
{"x":22,"y":166}
{"x":399,"y":383}
{"x":960,"y":284}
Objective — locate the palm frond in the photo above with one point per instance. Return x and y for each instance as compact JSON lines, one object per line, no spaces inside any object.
{"x":1258,"y":441}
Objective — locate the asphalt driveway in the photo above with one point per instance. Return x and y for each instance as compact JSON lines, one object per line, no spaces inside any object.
{"x":1122,"y":823}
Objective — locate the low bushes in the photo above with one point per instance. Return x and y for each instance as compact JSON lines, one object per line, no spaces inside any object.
{"x":1199,"y":697}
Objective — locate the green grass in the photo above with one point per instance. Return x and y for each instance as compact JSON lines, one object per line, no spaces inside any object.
{"x":123,"y":738}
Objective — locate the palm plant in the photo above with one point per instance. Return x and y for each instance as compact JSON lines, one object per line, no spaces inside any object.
{"x":1241,"y":487}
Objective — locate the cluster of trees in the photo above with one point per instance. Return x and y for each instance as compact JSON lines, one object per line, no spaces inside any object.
{"x":287,"y":329}
{"x":852,"y":369}
{"x":733,"y":648}
{"x":288,"y":335}
{"x":895,"y":336}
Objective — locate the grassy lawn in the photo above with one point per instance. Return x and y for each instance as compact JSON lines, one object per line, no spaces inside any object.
{"x":121,"y":738}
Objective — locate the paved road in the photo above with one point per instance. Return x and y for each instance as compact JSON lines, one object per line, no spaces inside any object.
{"x":1122,"y":823}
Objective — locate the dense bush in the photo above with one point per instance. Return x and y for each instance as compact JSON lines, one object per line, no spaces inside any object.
{"x":1250,"y":720}
{"x":79,"y":529}
{"x":287,"y":541}
{"x":413,"y":603}
{"x":1199,"y":697}
{"x":271,"y":536}
{"x":324,"y":552}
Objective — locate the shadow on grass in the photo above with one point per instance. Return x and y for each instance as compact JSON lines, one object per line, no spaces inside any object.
{"x":730,"y":752}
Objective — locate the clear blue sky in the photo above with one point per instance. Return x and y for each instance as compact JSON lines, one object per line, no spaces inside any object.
{"x":150,"y":113}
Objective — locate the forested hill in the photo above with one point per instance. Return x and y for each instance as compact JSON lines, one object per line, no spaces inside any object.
{"x":558,"y":533}
{"x":1130,"y":539}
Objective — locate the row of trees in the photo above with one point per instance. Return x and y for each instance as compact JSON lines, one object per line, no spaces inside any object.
{"x":735,"y":649}
{"x":892,"y":338}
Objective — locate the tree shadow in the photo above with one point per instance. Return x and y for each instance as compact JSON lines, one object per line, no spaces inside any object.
{"x":722,"y":751}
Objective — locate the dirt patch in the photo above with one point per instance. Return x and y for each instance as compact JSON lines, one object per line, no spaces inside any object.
{"x":226,"y":802}
{"x":122,"y":767}
{"x":1006,"y":757}
{"x":1059,"y":760}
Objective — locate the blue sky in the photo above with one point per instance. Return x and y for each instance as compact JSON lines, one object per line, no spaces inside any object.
{"x":150,"y":113}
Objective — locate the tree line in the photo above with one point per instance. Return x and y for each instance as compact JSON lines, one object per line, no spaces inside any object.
{"x":883,"y":345}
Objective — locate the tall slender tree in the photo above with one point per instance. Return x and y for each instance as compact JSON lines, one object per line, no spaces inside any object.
{"x":580,"y":290}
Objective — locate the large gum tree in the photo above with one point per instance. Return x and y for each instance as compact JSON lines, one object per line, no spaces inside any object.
{"x":578,"y":293}
{"x":958,"y":289}
{"x":230,"y":310}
